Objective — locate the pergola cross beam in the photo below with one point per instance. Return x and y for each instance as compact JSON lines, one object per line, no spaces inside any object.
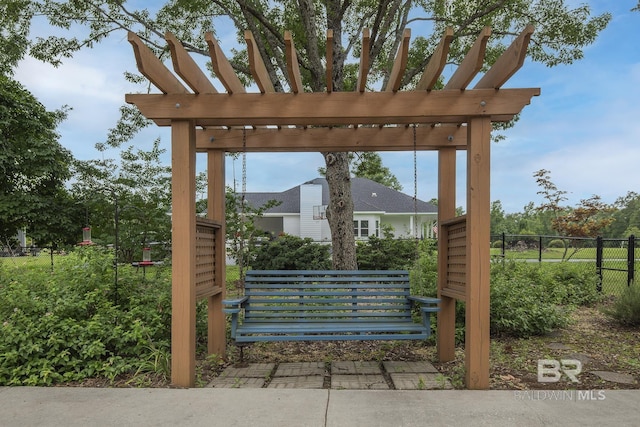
{"x":334,"y":109}
{"x":297,"y":139}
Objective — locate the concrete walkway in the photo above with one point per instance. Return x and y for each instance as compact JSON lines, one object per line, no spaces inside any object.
{"x":224,"y":407}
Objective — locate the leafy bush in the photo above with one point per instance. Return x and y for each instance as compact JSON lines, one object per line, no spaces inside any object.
{"x":556,"y":243}
{"x":522,"y":308}
{"x":63,"y":326}
{"x":571,"y":283}
{"x":291,"y":253}
{"x":533,"y":299}
{"x":386,"y":253}
{"x":626,"y":308}
{"x":497,"y":244}
{"x":526,"y":299}
{"x":424,"y":273}
{"x":563,"y":283}
{"x":424,"y":282}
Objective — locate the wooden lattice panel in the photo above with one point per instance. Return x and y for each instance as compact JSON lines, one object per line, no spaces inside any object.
{"x":206,"y":231}
{"x":455,"y":233}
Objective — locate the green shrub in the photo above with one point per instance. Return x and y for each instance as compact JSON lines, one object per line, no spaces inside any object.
{"x":424,"y":276}
{"x":386,"y":253}
{"x":526,"y":298}
{"x":563,"y":283}
{"x":497,"y":244}
{"x":571,"y":283}
{"x":291,"y":253}
{"x":521,"y":308}
{"x":64,"y":325}
{"x":556,"y":243}
{"x":626,"y":308}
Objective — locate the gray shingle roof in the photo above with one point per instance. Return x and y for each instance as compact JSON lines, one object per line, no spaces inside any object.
{"x":368,"y":196}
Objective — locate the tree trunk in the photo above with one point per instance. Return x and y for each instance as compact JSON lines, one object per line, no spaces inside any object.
{"x":340,"y":211}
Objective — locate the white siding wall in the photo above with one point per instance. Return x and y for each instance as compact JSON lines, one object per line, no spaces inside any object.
{"x":291,"y":225}
{"x":310,"y":196}
{"x":326,"y":231}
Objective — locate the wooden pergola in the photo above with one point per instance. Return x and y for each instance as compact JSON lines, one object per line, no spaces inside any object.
{"x":447,"y":120}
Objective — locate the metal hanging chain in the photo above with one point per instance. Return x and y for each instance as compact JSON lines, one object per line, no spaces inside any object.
{"x":244,"y":162}
{"x":415,"y":183}
{"x":244,"y":180}
{"x":242,"y":206}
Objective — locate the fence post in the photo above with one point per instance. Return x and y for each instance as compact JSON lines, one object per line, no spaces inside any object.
{"x":539,"y":248}
{"x":631,"y":259}
{"x":503,"y":245}
{"x":599,"y":262}
{"x":51,"y":255}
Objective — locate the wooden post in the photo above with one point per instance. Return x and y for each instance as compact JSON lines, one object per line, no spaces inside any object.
{"x":478,"y":255}
{"x":183,"y":248}
{"x":446,"y":210}
{"x":216,"y":211}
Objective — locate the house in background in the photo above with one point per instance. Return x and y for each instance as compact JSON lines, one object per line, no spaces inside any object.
{"x":302,"y":211}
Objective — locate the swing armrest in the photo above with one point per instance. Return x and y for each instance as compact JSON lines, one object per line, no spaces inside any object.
{"x":233,"y":306}
{"x":427,"y":306}
{"x":425,"y":302}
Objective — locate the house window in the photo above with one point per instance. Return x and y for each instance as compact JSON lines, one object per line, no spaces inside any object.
{"x":364,"y":228}
{"x":361,"y":228}
{"x":320,"y":212}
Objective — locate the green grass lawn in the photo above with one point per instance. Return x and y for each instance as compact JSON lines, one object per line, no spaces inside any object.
{"x":43,"y":259}
{"x":557,"y":253}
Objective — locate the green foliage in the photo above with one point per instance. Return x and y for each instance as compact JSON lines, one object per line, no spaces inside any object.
{"x":521,"y":308}
{"x":626,"y":217}
{"x":424,"y":282}
{"x":369,"y":165}
{"x":34,"y":168}
{"x":140,"y":188}
{"x":386,"y":253}
{"x":424,"y":272}
{"x":526,"y":299}
{"x":556,"y":243}
{"x":562,"y":283}
{"x":588,"y":219}
{"x":15,"y":21}
{"x":626,"y":308}
{"x":63,"y":326}
{"x":243,"y":237}
{"x":571,"y":283}
{"x":498,"y":221}
{"x":291,"y":253}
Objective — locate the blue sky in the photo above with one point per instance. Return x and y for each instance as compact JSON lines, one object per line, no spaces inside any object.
{"x":584,"y":128}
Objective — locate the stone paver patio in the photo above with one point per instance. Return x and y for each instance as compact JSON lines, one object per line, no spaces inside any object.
{"x":343,"y":375}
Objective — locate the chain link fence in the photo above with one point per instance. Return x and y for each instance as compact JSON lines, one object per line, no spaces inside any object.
{"x":31,"y":255}
{"x":614,"y":260}
{"x":616,"y":263}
